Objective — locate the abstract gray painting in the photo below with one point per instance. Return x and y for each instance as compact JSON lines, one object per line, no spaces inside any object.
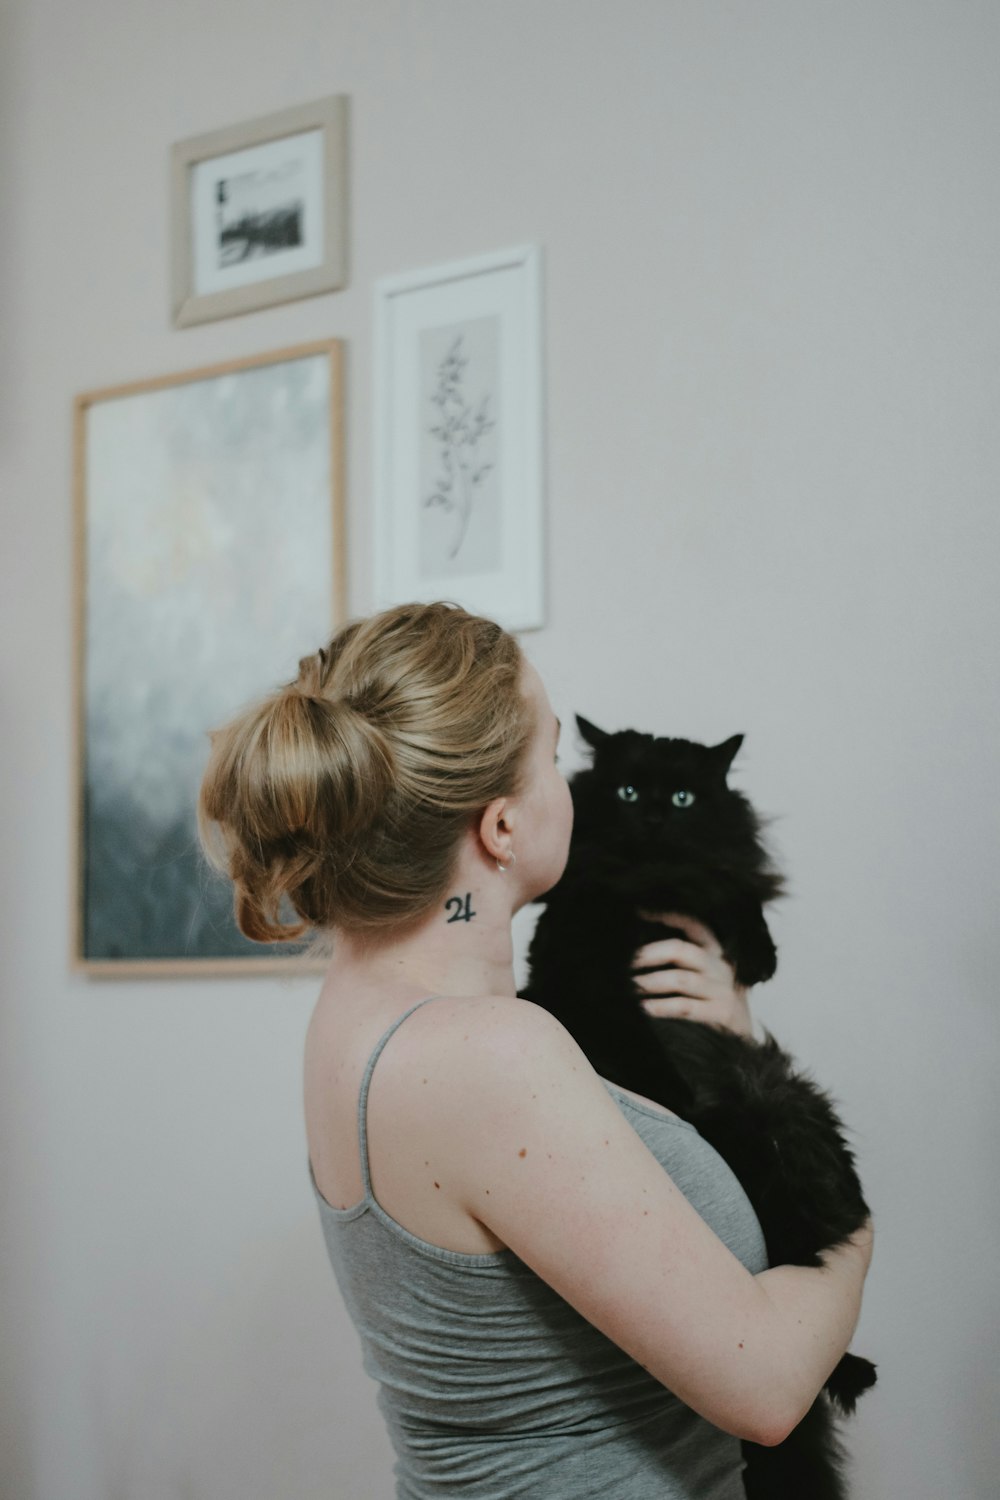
{"x":209,"y":536}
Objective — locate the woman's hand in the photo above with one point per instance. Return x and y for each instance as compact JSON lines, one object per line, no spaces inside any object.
{"x":692,"y":979}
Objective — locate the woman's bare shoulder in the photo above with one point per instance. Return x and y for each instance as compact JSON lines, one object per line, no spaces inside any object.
{"x":459,"y":1049}
{"x":485,"y":1032}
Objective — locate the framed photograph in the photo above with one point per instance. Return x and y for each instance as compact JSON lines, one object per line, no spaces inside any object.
{"x":260,"y":212}
{"x":209,"y":558}
{"x":458,"y":437}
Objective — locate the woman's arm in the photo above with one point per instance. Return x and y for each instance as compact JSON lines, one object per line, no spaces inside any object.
{"x":537,"y":1150}
{"x":794,"y":1299}
{"x":691,"y":980}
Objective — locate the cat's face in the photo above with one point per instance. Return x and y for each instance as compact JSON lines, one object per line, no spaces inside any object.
{"x":644,"y":792}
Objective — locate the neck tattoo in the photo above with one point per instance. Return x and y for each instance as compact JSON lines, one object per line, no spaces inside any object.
{"x":463,"y":909}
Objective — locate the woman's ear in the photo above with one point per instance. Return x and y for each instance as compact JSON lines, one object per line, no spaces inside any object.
{"x":496,"y":825}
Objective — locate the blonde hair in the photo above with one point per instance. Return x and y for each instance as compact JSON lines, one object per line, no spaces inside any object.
{"x":349,"y":790}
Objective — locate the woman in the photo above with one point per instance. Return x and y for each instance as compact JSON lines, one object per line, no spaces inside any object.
{"x":560,"y":1287}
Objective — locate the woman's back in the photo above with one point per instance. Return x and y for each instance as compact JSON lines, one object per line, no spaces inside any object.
{"x":491,"y":1383}
{"x":352,"y":1016}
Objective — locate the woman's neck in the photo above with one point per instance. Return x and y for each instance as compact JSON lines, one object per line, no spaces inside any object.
{"x":464,"y":947}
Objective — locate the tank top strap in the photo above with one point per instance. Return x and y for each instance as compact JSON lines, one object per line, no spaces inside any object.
{"x":363,"y":1094}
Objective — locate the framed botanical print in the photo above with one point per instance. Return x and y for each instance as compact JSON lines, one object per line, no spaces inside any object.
{"x":458,"y":442}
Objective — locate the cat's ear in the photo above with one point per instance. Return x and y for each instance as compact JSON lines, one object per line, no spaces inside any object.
{"x":723,"y":755}
{"x":590,"y":732}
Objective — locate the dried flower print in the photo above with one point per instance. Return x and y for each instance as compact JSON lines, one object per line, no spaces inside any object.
{"x":459,"y":428}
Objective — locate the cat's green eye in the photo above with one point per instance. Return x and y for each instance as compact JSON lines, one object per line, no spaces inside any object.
{"x":682,"y":799}
{"x":628,"y":794}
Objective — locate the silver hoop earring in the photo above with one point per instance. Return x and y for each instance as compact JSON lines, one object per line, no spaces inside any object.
{"x":512,"y":857}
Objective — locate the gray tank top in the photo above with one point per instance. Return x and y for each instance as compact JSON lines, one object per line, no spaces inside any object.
{"x":493,"y":1386}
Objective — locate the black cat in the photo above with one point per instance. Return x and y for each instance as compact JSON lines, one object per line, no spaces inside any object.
{"x":657,"y":828}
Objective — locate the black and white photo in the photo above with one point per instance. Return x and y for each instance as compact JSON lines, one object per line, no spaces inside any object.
{"x":260,"y":212}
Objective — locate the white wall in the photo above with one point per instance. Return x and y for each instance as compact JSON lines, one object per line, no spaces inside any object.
{"x":771,"y":240}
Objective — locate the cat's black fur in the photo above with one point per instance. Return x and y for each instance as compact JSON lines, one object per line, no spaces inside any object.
{"x":658,"y":829}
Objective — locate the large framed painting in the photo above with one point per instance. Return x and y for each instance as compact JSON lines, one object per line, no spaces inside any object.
{"x":209,"y":558}
{"x":458,"y":440}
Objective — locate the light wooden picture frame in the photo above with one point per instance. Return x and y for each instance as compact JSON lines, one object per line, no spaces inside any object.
{"x":259,"y":212}
{"x":209,"y":557}
{"x":459,"y":487}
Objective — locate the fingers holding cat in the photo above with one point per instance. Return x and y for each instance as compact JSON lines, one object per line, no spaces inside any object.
{"x":690,"y":978}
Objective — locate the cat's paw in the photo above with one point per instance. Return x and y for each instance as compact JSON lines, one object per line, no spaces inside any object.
{"x":754,"y":957}
{"x":849,"y":1380}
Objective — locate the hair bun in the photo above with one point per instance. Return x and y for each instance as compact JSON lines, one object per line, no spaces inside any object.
{"x":349,"y":790}
{"x":313,"y":675}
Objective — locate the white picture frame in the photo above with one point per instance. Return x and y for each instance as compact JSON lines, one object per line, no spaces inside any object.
{"x":259,"y":212}
{"x":458,"y":473}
